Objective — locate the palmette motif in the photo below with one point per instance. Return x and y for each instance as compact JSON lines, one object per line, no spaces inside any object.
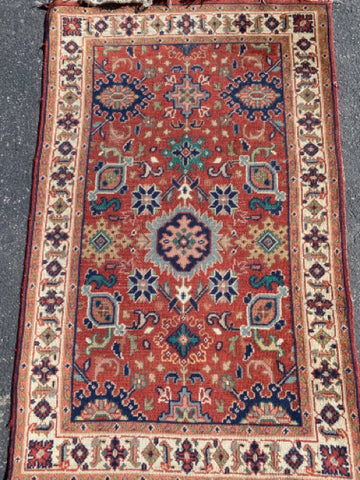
{"x":186,"y":312}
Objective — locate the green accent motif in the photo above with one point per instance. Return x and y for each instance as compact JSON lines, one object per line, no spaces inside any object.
{"x":183,"y":340}
{"x":186,"y":153}
{"x":100,"y":280}
{"x":267,"y":280}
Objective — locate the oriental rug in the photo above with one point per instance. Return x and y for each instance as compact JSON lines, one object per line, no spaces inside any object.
{"x":186,"y":308}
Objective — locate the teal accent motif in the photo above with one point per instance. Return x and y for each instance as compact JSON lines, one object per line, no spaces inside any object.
{"x":186,"y":153}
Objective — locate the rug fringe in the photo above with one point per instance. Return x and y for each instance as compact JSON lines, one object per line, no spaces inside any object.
{"x":43,"y":3}
{"x":99,"y":3}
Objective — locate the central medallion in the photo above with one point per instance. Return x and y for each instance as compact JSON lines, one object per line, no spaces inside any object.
{"x":184,"y":241}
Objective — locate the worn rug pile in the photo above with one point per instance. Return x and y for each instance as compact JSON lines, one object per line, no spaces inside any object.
{"x":186,"y":311}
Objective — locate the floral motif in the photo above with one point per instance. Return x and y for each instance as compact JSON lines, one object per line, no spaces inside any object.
{"x":313,"y":177}
{"x":255,"y":457}
{"x":183,"y":343}
{"x":72,"y":26}
{"x":309,"y":122}
{"x":44,"y":370}
{"x":129,"y":25}
{"x":303,"y":23}
{"x":187,"y":456}
{"x":183,"y":340}
{"x":146,"y":199}
{"x":115,"y":454}
{"x":329,"y":414}
{"x":294,"y":459}
{"x":315,"y":238}
{"x":42,"y":409}
{"x":186,"y":24}
{"x":142,"y":285}
{"x":326,"y":374}
{"x":70,"y":72}
{"x":68,"y":122}
{"x":51,"y":301}
{"x":334,"y":461}
{"x":319,"y":304}
{"x":40,"y":454}
{"x":184,"y":242}
{"x":242,"y":23}
{"x":224,"y":200}
{"x":305,"y":70}
{"x":187,"y":96}
{"x":62,"y":176}
{"x":223,"y":286}
{"x":79,"y":453}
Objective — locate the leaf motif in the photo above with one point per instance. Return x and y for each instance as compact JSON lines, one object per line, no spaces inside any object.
{"x":226,"y":365}
{"x":219,"y":406}
{"x":217,"y":331}
{"x":133,"y":344}
{"x":87,"y":365}
{"x":232,"y":341}
{"x":139,"y":364}
{"x":148,"y":404}
{"x":281,"y":367}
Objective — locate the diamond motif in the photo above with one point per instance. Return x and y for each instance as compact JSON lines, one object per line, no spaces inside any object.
{"x":48,"y":336}
{"x":268,"y":242}
{"x":100,"y":241}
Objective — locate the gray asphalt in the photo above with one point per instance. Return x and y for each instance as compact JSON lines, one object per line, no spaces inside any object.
{"x":21,"y":36}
